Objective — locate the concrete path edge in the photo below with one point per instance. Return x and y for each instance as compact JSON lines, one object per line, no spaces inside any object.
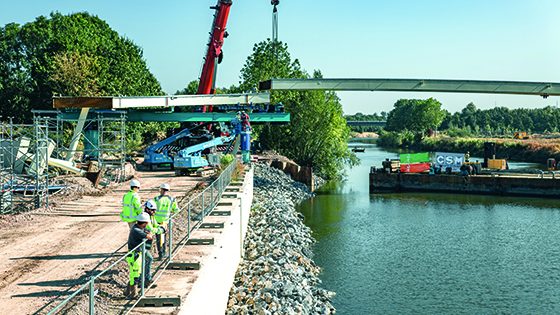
{"x":210,"y":293}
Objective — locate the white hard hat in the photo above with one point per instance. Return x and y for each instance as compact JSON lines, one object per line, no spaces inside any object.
{"x":165,"y":186}
{"x":143,"y":217}
{"x":150,"y":204}
{"x":134,"y":183}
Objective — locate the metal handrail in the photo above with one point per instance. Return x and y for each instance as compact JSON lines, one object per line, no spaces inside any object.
{"x":92,"y":279}
{"x":222,"y":181}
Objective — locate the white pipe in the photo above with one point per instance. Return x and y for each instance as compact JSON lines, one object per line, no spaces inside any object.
{"x":65,"y":165}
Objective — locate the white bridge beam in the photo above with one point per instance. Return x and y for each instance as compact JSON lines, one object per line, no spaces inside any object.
{"x":543,"y":89}
{"x":114,"y":102}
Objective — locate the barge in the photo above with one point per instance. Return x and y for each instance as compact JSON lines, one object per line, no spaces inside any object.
{"x":505,"y":184}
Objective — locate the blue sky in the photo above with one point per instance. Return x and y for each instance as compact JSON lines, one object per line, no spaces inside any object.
{"x":477,"y":40}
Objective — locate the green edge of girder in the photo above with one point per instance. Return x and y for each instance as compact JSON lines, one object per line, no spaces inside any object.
{"x":195,"y":117}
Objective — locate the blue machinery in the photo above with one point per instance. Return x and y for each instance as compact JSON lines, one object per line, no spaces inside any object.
{"x":191,"y":157}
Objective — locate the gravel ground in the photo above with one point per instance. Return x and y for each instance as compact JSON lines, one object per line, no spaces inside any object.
{"x":278,"y":275}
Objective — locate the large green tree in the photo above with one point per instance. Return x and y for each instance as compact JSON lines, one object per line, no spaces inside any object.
{"x":70,"y":55}
{"x":415,"y":115}
{"x":317,"y":135}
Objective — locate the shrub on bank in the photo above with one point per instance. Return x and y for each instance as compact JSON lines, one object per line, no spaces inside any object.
{"x":395,"y":139}
{"x":389,"y":139}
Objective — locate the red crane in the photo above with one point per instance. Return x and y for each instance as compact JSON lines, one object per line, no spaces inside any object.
{"x":214,"y":54}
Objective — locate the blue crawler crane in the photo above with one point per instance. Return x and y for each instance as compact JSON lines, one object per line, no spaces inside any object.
{"x":191,"y":159}
{"x":162,"y":152}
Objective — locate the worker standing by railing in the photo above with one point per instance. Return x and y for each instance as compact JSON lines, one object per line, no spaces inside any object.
{"x":137,"y":234}
{"x":132,"y":206}
{"x":135,"y":237}
{"x":165,"y":204}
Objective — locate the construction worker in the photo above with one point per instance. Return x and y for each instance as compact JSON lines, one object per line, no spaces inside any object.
{"x":132,"y":206}
{"x":165,"y":204}
{"x":146,"y":223}
{"x":153,"y":226}
{"x":245,"y":121}
{"x":138,"y":233}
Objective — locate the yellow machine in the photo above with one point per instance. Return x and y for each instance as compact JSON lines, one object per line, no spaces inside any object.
{"x":499,"y":164}
{"x":520,"y":135}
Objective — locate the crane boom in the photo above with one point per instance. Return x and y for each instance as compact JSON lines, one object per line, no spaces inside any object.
{"x":214,"y":53}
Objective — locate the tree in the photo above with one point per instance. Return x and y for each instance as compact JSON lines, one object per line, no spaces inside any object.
{"x":384,"y":114}
{"x":74,"y":73}
{"x":70,"y":55}
{"x":415,"y":115}
{"x":191,"y":89}
{"x":317,"y":135}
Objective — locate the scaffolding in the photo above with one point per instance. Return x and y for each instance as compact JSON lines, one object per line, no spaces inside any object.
{"x":24,"y":179}
{"x":112,"y":144}
{"x":102,"y":140}
{"x":26,"y":151}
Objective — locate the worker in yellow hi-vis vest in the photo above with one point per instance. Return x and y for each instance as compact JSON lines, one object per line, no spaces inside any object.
{"x":132,"y":206}
{"x":137,"y":234}
{"x":144,"y":228}
{"x":165,"y":204}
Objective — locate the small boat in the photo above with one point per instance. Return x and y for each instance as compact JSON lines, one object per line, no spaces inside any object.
{"x":358,"y":149}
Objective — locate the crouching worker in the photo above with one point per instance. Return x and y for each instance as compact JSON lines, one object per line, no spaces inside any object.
{"x":137,"y":234}
{"x":153,"y":225}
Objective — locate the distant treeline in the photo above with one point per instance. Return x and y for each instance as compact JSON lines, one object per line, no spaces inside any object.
{"x":362,"y":117}
{"x":502,"y":120}
{"x":471,"y":121}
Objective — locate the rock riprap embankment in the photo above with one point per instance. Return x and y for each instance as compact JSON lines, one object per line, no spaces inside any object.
{"x":277,"y":274}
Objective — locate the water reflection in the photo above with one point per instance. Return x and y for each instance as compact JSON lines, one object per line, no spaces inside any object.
{"x":429,"y":253}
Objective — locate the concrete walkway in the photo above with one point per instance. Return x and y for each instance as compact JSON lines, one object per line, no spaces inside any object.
{"x":206,"y":290}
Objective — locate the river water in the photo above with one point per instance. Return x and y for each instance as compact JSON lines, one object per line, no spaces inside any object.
{"x":426,"y":253}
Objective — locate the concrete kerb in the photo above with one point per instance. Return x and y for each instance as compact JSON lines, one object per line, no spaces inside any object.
{"x":210,"y":293}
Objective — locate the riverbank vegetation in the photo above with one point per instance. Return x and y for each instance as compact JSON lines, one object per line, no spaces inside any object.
{"x":467,"y":130}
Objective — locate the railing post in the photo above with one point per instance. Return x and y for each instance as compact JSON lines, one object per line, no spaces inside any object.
{"x":203,"y":209}
{"x":189,"y":221}
{"x":212,"y":196}
{"x":143,"y":274}
{"x":170,"y":232}
{"x":92,"y":296}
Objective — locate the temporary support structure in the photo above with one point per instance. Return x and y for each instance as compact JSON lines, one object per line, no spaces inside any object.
{"x":112,"y":143}
{"x":103,"y":140}
{"x":23,"y":151}
{"x":26,"y":150}
{"x":77,"y":133}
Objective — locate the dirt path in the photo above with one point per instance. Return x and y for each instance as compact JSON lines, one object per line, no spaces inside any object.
{"x":48,"y":255}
